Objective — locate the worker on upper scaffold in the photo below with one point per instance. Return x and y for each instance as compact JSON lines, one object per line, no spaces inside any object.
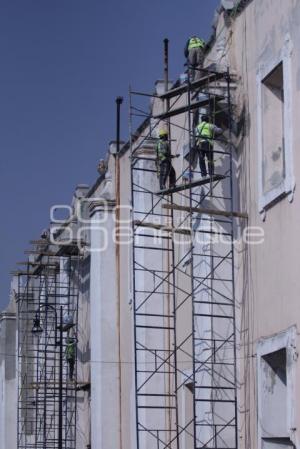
{"x":164,"y":166}
{"x":70,"y":354}
{"x":205,"y":133}
{"x":194,"y":52}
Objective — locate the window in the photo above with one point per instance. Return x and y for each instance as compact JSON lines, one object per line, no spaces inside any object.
{"x":275,"y":123}
{"x":274,"y":394}
{"x":187,"y":410}
{"x":277,"y":443}
{"x":277,"y":358}
{"x":273,"y":160}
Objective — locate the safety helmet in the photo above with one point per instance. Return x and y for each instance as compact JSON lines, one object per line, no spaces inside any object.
{"x":163,"y":133}
{"x":194,"y":36}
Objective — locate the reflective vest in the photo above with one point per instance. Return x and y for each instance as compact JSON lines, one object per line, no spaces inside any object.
{"x":196,"y":42}
{"x":205,"y":130}
{"x":163,"y":150}
{"x":70,"y":351}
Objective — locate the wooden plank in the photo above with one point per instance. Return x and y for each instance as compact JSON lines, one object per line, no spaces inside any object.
{"x":200,"y":182}
{"x":163,"y":228}
{"x":37,"y":264}
{"x":74,"y":242}
{"x":35,"y":269}
{"x":186,"y":108}
{"x":202,"y":82}
{"x":41,"y":253}
{"x":203,"y":210}
{"x":37,"y":385}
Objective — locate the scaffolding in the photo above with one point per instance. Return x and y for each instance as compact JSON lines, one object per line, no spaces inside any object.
{"x":183,"y":272}
{"x":47,"y":305}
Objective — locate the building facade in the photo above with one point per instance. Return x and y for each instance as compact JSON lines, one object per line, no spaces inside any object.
{"x":185,"y":302}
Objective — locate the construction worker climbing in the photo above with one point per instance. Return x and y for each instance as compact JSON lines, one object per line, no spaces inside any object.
{"x":194,"y":52}
{"x":163,"y":161}
{"x":205,"y":133}
{"x":70,"y":354}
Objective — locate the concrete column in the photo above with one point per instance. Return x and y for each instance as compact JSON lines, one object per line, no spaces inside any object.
{"x":105,"y":401}
{"x":8,"y":380}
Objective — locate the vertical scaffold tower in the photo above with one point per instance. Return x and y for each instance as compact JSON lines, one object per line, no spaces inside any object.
{"x":183,"y":272}
{"x":47,"y":306}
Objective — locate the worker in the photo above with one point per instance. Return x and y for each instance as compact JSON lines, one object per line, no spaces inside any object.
{"x":70,"y":354}
{"x":163,"y":161}
{"x":205,"y":133}
{"x":194,"y":52}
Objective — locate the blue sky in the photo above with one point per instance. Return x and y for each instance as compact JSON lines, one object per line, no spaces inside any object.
{"x":63,"y":62}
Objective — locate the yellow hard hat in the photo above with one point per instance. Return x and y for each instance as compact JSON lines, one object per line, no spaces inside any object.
{"x":163,"y":132}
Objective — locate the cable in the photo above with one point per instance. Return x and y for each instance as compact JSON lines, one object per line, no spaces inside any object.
{"x":128,"y":362}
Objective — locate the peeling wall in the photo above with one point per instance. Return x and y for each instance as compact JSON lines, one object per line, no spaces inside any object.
{"x":267,"y":275}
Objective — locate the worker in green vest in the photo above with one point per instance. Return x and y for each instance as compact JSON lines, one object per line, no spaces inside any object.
{"x":164,"y":166}
{"x":70,"y":354}
{"x":194,"y":52}
{"x":205,"y":134}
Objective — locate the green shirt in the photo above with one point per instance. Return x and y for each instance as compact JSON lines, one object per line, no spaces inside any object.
{"x":70,"y":351}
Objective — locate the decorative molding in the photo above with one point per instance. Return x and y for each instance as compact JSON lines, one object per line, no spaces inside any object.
{"x":101,"y":205}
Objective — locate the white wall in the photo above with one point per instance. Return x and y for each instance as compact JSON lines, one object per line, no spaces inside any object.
{"x":8,"y":381}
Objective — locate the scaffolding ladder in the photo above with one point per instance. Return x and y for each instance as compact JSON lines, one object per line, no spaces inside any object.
{"x":183,"y":275}
{"x":47,"y":307}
